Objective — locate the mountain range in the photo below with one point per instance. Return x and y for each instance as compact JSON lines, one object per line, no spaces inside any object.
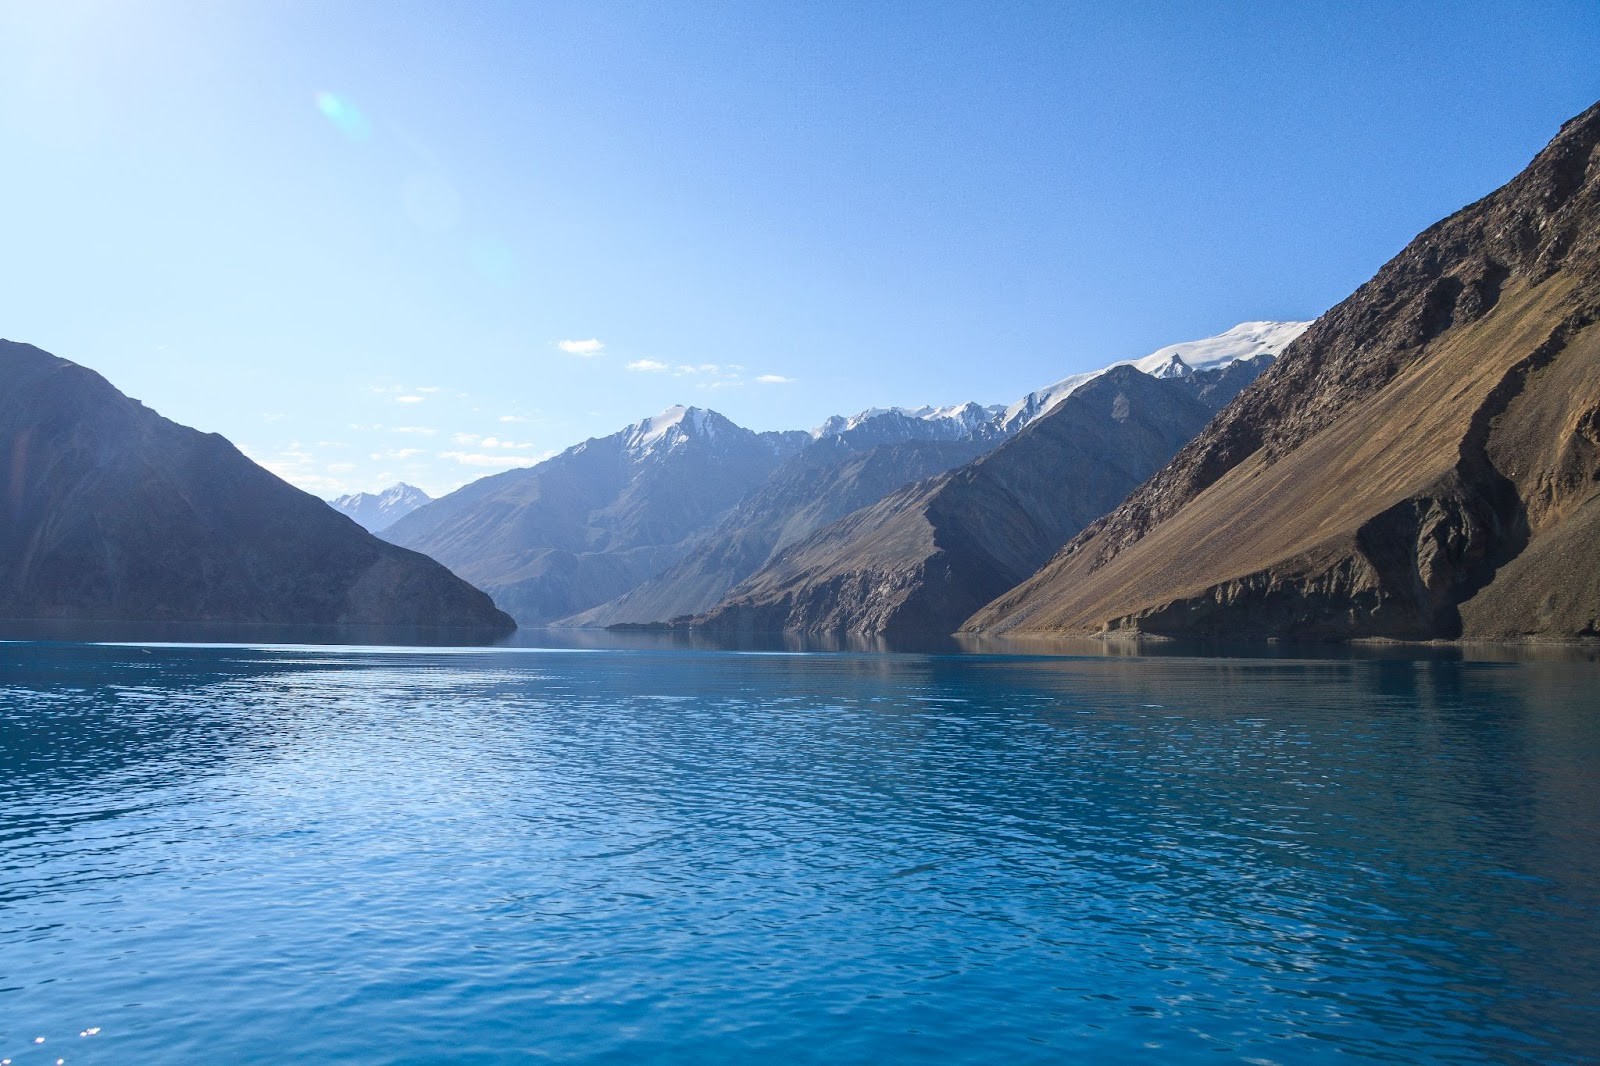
{"x":923,"y":558}
{"x":664,"y":518}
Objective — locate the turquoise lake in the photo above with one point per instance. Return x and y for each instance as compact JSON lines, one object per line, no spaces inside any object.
{"x":635,"y":855}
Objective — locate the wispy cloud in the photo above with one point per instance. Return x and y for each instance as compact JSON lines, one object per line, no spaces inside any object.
{"x":475,"y":440}
{"x":588,"y":348}
{"x":397,"y":454}
{"x":774,"y":379}
{"x":648,"y":366}
{"x":404,"y":393}
{"x":299,"y":467}
{"x":514,"y":418}
{"x":421,"y":431}
{"x":503,"y":461}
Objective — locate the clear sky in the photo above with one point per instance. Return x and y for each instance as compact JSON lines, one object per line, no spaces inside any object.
{"x":353,"y":237}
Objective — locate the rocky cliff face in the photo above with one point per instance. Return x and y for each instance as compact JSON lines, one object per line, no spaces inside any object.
{"x":110,"y":512}
{"x":922,"y":559}
{"x":1420,"y":463}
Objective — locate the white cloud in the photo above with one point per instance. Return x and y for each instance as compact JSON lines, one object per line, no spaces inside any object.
{"x":421,"y":431}
{"x":514,"y":418}
{"x":587,"y":349}
{"x":426,"y":388}
{"x":774,"y":379}
{"x":408,"y":399}
{"x":649,"y":366}
{"x":398,"y":453}
{"x":340,"y":468}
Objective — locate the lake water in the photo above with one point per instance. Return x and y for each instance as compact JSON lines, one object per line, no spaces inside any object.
{"x":236,"y":854}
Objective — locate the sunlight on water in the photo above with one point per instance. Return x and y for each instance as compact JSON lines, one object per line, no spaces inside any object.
{"x":250,"y":854}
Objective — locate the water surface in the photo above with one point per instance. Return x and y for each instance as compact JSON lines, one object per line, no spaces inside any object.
{"x":237,"y":854}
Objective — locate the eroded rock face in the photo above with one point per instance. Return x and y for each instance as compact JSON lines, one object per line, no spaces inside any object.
{"x":109,"y":512}
{"x":1418,"y":464}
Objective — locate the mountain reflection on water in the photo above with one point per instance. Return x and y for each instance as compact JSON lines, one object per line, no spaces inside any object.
{"x":654,"y":853}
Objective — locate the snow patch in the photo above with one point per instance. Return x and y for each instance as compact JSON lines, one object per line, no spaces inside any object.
{"x":671,"y":428}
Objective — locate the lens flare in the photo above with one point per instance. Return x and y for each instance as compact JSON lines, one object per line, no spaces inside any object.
{"x":345,"y":115}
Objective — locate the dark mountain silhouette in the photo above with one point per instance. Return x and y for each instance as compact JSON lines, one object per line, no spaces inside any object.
{"x":110,"y":512}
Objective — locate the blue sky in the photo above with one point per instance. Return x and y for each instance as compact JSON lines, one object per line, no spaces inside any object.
{"x":353,"y":237}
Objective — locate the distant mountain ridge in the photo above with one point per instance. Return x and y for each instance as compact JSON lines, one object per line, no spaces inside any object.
{"x":834,"y":475}
{"x":109,"y":512}
{"x":377,"y":511}
{"x":555,"y":543}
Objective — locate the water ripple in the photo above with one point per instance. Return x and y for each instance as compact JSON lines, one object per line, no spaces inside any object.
{"x":250,"y":854}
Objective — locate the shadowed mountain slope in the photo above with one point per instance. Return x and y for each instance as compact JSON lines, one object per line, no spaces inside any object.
{"x":110,"y":512}
{"x":922,"y":559}
{"x":831,"y":477}
{"x":1422,"y":463}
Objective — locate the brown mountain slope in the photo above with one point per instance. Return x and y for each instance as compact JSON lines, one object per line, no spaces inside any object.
{"x":1421,"y":463}
{"x":109,"y":512}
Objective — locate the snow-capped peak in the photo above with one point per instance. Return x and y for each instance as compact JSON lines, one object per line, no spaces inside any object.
{"x":1174,"y":367}
{"x":380,"y":510}
{"x":1244,"y":341}
{"x":956,"y":420}
{"x":671,"y":428}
